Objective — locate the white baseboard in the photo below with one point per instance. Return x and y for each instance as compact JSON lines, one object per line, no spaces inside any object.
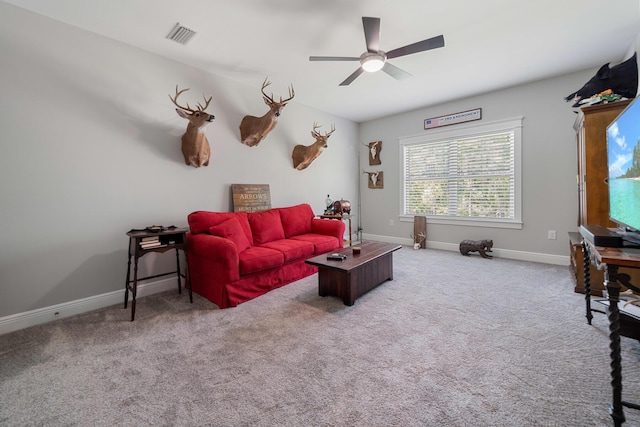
{"x":497,"y":252}
{"x":26,"y":319}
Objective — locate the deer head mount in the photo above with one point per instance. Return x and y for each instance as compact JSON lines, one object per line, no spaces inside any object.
{"x":375,"y":179}
{"x":195,"y":146}
{"x":303,"y":155}
{"x":255,"y":129}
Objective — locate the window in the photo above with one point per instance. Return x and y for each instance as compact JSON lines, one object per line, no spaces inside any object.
{"x":469,"y":175}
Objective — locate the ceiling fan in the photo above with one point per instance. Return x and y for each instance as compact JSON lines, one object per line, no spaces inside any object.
{"x":375,"y":59}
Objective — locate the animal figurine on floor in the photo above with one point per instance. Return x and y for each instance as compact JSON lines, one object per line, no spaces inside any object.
{"x":622,"y":79}
{"x":480,"y":246}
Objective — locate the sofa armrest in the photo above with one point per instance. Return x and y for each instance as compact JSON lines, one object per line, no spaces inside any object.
{"x":216,"y":258}
{"x":329,"y":227}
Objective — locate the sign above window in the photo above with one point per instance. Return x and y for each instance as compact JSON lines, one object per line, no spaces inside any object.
{"x":452,"y":119}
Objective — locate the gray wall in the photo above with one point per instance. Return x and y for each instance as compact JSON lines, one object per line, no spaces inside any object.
{"x":91,"y":148}
{"x":548,"y":165}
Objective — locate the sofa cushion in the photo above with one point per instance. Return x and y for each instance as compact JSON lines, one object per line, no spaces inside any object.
{"x":321,"y":242}
{"x":258,"y":258}
{"x":232,"y":230}
{"x":296,"y":219}
{"x":200,"y":221}
{"x":266,"y":226}
{"x":292,"y":250}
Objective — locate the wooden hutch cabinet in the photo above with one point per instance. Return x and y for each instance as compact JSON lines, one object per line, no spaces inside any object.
{"x":593,"y":192}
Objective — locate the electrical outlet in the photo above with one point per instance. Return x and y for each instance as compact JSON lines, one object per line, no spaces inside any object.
{"x":551,"y":234}
{"x":390,"y":222}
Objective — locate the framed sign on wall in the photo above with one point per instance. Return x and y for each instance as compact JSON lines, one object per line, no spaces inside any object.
{"x":250,"y":197}
{"x":452,"y":119}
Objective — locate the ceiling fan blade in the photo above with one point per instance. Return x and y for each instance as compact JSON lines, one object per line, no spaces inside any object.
{"x":428,"y":44}
{"x":352,"y":77}
{"x":395,"y":72}
{"x":371,"y":33}
{"x":334,"y":58}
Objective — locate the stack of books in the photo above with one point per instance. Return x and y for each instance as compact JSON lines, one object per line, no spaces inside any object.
{"x":151,"y":242}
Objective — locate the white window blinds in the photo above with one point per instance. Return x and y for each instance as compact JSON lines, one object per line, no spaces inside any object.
{"x":472,"y":176}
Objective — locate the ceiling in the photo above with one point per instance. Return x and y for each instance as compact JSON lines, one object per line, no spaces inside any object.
{"x":489,"y":44}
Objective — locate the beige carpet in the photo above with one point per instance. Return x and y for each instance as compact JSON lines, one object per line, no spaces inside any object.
{"x":451,"y":341}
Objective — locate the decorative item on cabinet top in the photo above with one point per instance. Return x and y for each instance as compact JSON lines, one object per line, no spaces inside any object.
{"x":376,"y":179}
{"x":621,"y":79}
{"x":255,"y":129}
{"x":303,"y":155}
{"x":195,"y":146}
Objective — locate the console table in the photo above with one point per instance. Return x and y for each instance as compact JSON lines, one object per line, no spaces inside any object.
{"x":168,"y":239}
{"x":340,"y":217}
{"x":620,"y":324}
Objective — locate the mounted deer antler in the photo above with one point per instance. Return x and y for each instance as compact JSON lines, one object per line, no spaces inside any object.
{"x":255,"y":129}
{"x":303,"y":155}
{"x":375,"y":178}
{"x":195,"y":146}
{"x":419,"y":238}
{"x":374,"y":152}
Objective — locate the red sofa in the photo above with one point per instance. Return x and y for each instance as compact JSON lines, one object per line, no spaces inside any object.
{"x":237,"y":256}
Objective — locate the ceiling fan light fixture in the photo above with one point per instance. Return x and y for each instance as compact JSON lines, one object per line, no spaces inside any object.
{"x":373,"y":62}
{"x":375,"y":59}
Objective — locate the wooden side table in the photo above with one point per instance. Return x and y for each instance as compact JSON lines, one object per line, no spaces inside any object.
{"x":340,"y":217}
{"x":142,"y":242}
{"x":611,"y":259}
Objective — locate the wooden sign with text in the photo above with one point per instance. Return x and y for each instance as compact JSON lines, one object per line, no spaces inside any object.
{"x":452,"y":119}
{"x":251,"y":197}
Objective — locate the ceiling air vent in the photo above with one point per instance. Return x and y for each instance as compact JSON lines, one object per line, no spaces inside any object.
{"x":181,"y":34}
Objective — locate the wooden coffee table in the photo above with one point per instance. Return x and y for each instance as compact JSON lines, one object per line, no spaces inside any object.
{"x":358,"y":273}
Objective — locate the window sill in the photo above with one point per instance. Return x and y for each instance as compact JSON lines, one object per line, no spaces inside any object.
{"x":465,"y":222}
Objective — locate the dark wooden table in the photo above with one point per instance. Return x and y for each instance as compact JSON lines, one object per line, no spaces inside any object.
{"x":358,"y":273}
{"x":170,"y":239}
{"x":620,"y":324}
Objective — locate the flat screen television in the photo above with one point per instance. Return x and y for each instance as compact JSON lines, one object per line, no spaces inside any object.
{"x":623,"y":160}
